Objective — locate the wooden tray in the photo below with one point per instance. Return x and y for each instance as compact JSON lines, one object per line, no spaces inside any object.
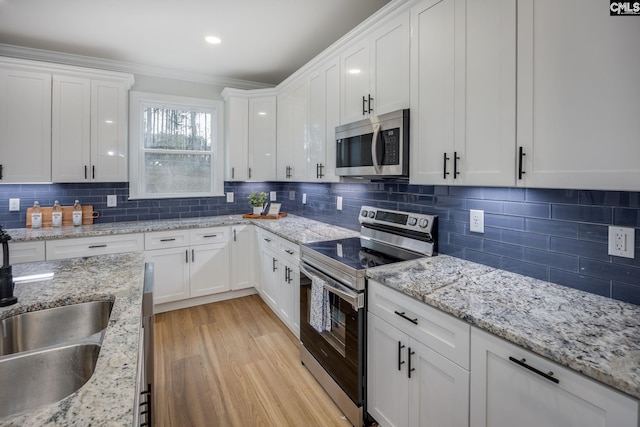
{"x":67,"y":216}
{"x":253,"y":216}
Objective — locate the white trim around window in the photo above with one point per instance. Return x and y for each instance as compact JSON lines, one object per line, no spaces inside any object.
{"x":161,"y":170}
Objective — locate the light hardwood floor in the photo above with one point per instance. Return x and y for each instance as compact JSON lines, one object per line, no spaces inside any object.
{"x":233,"y":363}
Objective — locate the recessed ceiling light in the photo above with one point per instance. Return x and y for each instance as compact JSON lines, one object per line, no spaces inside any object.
{"x":262,"y":113}
{"x":213,"y":39}
{"x":354,"y":71}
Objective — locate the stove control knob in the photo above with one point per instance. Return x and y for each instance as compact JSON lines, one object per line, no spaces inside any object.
{"x":372,"y":214}
{"x":412,"y":220}
{"x":423,"y":223}
{"x":363,"y":213}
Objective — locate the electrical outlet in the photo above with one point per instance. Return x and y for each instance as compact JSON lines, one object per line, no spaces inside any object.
{"x":622,"y":241}
{"x":304,"y":198}
{"x":292,"y":195}
{"x":476,"y":221}
{"x":230,"y":197}
{"x":112,"y":200}
{"x":272,"y":196}
{"x":14,"y":205}
{"x":339,"y":203}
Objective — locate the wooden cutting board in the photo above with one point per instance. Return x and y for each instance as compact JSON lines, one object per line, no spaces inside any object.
{"x":67,"y":216}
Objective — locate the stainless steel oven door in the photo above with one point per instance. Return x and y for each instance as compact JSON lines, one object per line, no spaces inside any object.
{"x":339,"y":350}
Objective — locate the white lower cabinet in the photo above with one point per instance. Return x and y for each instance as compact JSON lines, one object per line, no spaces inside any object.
{"x":189,"y":263}
{"x":20,"y":252}
{"x":506,"y":392}
{"x":409,"y":383}
{"x":90,"y":246}
{"x":242,"y":256}
{"x":280,"y":278}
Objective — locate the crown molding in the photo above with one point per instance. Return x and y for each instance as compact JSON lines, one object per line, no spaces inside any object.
{"x":125,"y":67}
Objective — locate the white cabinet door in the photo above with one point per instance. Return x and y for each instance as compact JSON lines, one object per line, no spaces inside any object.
{"x":438,"y":389}
{"x":171,"y":278}
{"x":236,"y":138}
{"x":390,"y":57}
{"x":387,"y":388}
{"x":25,"y":126}
{"x":355,"y":82}
{"x":20,"y":252}
{"x":242,"y":257}
{"x":293,"y":122}
{"x":71,"y":129}
{"x":324,"y":116}
{"x":578,"y":96}
{"x":463,"y":92}
{"x":375,"y":71}
{"x":209,"y":269}
{"x":109,"y":147}
{"x":262,"y":138}
{"x":289,"y":307}
{"x":271,"y":290}
{"x":433,"y":89}
{"x":505,"y":394}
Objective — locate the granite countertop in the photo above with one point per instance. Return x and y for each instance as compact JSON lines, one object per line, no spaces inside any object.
{"x":292,"y":227}
{"x":108,"y":397}
{"x":594,"y":335}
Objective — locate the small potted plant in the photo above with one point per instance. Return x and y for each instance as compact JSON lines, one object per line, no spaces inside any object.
{"x":257,"y":201}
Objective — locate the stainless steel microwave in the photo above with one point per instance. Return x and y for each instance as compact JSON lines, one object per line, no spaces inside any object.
{"x":374,"y":147}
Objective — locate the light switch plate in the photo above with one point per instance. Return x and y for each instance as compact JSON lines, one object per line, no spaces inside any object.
{"x":339,"y":203}
{"x":272,"y":196}
{"x":292,"y":195}
{"x":622,"y":241}
{"x":304,"y":198}
{"x":112,"y":201}
{"x":230,"y":197}
{"x":476,"y":221}
{"x":14,"y":205}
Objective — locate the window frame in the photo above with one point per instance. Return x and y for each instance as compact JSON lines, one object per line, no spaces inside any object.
{"x":137,"y":102}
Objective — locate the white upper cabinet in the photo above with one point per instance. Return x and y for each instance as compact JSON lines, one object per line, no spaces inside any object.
{"x":89,"y":130}
{"x":293,"y":123}
{"x":578,"y":97}
{"x":25,"y":126}
{"x":463,"y":64}
{"x":250,"y":135}
{"x":375,"y":71}
{"x":324,"y":116}
{"x":236,"y":116}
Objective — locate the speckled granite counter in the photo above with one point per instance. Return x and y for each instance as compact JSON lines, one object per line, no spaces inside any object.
{"x":108,"y":397}
{"x":292,"y":227}
{"x":597,"y":336}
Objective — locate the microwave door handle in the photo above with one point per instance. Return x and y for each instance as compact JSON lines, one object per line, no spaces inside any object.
{"x":374,"y":146}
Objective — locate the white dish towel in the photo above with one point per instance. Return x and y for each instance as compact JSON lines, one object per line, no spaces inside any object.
{"x":320,"y":310}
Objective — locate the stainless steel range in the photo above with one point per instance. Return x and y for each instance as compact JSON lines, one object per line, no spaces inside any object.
{"x":333,"y":298}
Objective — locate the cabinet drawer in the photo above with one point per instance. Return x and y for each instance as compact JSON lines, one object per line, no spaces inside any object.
{"x":89,"y":246}
{"x":166,"y":239}
{"x":20,"y":252}
{"x":202,"y":236}
{"x":290,"y":251}
{"x":438,"y":330}
{"x":268,"y":240}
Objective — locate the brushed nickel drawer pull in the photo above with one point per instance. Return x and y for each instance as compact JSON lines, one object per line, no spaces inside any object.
{"x":209,"y":235}
{"x":97,"y":246}
{"x":168,"y":240}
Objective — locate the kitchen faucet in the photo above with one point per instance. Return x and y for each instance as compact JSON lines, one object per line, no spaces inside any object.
{"x":6,"y":275}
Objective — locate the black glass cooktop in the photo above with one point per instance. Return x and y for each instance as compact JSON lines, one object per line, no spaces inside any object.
{"x":359,"y":253}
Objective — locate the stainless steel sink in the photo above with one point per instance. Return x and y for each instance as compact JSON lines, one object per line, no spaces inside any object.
{"x":45,"y":328}
{"x":33,"y":379}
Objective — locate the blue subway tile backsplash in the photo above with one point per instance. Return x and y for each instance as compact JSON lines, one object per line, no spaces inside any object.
{"x":557,"y":235}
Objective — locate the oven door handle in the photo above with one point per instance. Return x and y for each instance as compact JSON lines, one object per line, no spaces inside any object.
{"x":355,"y":299}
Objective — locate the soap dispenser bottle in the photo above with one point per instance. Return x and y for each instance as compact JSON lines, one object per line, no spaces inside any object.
{"x":6,"y":274}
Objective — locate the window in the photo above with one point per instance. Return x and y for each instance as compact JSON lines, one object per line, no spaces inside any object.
{"x":176,"y":147}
